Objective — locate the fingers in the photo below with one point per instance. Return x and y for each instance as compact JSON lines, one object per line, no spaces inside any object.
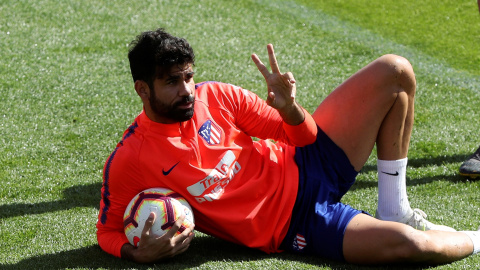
{"x":261,"y":67}
{"x":279,"y":85}
{"x":155,"y":248}
{"x":186,"y":242}
{"x":182,"y":241}
{"x":289,"y":77}
{"x":270,"y":98}
{"x":291,"y":80}
{"x":148,"y":224}
{"x":175,"y":227}
{"x":273,"y":62}
{"x":273,"y":59}
{"x":185,"y":237}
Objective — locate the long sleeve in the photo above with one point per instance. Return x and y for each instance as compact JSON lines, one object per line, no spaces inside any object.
{"x":111,"y":241}
{"x":256,"y":118}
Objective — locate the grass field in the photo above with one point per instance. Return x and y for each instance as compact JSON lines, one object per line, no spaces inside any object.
{"x":67,"y":96}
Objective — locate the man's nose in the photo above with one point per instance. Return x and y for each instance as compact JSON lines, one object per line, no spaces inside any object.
{"x":185,"y":89}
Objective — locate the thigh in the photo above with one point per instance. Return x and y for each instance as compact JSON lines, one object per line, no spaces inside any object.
{"x":371,"y":241}
{"x":353,"y":113}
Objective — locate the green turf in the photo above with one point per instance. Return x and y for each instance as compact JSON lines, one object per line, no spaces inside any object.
{"x":67,"y":96}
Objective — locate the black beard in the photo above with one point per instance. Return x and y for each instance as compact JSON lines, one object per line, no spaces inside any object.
{"x":173,"y":112}
{"x":181,"y":115}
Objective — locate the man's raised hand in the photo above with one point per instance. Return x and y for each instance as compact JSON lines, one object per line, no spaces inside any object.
{"x":281,"y":89}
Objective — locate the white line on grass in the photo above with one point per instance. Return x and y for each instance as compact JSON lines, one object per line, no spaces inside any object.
{"x":433,"y":67}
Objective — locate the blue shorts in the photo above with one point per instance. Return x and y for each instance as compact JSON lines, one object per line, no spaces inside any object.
{"x":319,"y":219}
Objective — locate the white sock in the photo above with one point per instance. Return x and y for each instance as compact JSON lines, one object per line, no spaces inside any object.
{"x":393,"y":202}
{"x":475,"y":236}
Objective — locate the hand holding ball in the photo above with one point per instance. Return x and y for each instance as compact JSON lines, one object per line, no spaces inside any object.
{"x":167,"y":205}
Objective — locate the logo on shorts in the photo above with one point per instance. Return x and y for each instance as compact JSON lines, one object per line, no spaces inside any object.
{"x":299,"y":242}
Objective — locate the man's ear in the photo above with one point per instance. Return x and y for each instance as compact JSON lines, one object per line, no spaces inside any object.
{"x":142,"y":89}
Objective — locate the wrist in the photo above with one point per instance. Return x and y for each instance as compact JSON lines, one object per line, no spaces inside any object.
{"x":128,"y":252}
{"x":292,"y":114}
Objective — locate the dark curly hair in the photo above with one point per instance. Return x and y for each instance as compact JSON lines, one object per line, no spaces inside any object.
{"x":153,"y":53}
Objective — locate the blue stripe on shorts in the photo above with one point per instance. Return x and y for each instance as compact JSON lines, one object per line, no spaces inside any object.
{"x":319,"y":219}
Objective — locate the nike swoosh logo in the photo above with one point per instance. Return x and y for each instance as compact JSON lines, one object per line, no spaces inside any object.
{"x":167,"y":172}
{"x":392,"y":174}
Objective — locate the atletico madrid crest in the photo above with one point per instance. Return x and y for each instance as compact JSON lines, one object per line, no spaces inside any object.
{"x":210,"y":132}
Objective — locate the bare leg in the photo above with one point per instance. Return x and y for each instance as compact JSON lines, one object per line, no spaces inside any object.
{"x":371,"y":241}
{"x":375,"y":105}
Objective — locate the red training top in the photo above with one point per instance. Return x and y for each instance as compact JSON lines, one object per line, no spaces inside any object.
{"x":241,"y":190}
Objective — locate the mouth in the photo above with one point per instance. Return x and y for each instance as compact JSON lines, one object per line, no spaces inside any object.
{"x":185,"y":105}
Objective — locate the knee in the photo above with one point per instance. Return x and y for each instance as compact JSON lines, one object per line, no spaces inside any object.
{"x":399,"y":71}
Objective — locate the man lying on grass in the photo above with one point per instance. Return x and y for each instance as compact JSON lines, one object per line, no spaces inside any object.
{"x":196,"y":139}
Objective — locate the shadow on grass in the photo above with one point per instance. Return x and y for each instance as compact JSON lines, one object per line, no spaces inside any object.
{"x":89,"y":195}
{"x":418,"y":163}
{"x":422,"y":162}
{"x":76,"y":196}
{"x":205,"y":252}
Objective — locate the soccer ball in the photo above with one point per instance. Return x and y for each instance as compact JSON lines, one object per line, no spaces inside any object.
{"x":168,"y":207}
